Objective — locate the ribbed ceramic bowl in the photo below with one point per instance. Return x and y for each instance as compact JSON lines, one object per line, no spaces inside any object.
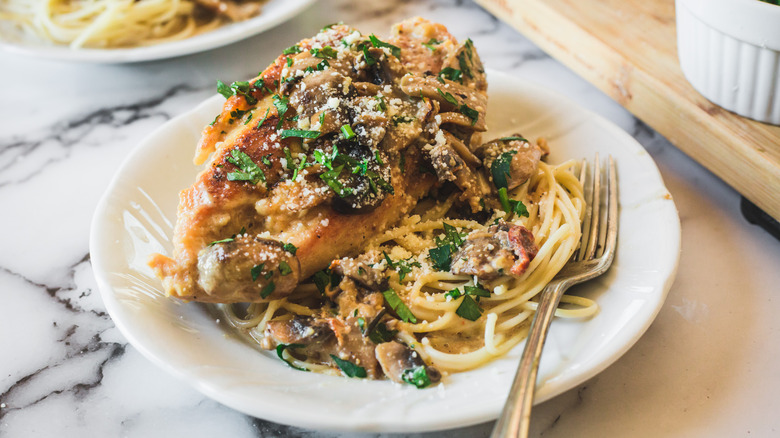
{"x":730,"y":52}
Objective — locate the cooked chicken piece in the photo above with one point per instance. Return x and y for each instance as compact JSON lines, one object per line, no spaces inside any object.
{"x":319,"y":153}
{"x":500,"y":250}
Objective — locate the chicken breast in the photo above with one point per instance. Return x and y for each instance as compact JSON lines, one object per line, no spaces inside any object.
{"x":325,"y":149}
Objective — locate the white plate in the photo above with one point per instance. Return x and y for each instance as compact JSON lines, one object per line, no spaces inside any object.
{"x":136,"y":216}
{"x":273,"y":12}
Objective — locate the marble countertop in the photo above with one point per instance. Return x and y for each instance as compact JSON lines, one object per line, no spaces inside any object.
{"x":707,"y":367}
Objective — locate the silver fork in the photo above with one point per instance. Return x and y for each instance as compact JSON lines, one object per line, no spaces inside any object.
{"x":593,"y":258}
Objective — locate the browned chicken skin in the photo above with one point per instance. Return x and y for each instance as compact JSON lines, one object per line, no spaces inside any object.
{"x":345,"y":190}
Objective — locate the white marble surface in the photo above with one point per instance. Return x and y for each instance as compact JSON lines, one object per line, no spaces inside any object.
{"x":707,"y":367}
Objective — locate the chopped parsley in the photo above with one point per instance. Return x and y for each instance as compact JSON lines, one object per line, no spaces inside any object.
{"x":441,"y":255}
{"x":430,"y":44}
{"x":268,"y":289}
{"x":451,"y":74}
{"x":348,"y":368}
{"x":464,"y":109}
{"x":299,"y":133}
{"x":500,"y":169}
{"x":376,"y":42}
{"x":380,"y":106}
{"x":281,"y":104}
{"x":240,"y":88}
{"x":284,"y":268}
{"x":370,"y":60}
{"x":331,"y":178}
{"x":512,"y":138}
{"x":510,"y":205}
{"x":229,"y":239}
{"x":416,"y":376}
{"x":289,"y":247}
{"x":248,"y":170}
{"x":469,"y":309}
{"x":280,"y":352}
{"x":381,"y":334}
{"x":477,"y":291}
{"x":321,"y":280}
{"x":325,"y":52}
{"x":347,"y":131}
{"x":398,"y":306}
{"x":292,"y":50}
{"x":465,"y":63}
{"x":236,"y":114}
{"x":256,"y":271}
{"x":337,"y":162}
{"x":290,"y":165}
{"x":401,"y":119}
{"x":403,"y":267}
{"x":265,"y":117}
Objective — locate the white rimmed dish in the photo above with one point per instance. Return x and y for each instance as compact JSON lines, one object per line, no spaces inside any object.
{"x":273,"y":13}
{"x":136,"y":217}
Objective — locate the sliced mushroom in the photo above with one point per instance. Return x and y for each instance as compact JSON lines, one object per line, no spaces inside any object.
{"x":247,"y":268}
{"x":525,"y":157}
{"x":501,"y":249}
{"x":403,"y":365}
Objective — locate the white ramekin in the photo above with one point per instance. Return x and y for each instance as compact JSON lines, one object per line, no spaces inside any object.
{"x":730,"y":52}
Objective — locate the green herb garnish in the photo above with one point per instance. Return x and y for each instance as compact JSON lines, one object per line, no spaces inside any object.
{"x":451,"y":74}
{"x":381,"y":334}
{"x":396,"y":51}
{"x":331,"y":179}
{"x":300,"y":133}
{"x":348,"y":368}
{"x":256,"y":271}
{"x":292,"y":50}
{"x":280,"y":352}
{"x":281,"y":104}
{"x":416,"y":376}
{"x":469,"y":309}
{"x":248,"y":170}
{"x":289,"y":247}
{"x":512,"y":138}
{"x":284,"y":268}
{"x":325,"y":52}
{"x":500,"y":169}
{"x":463,"y":108}
{"x":347,"y":131}
{"x":240,"y":88}
{"x":268,"y":289}
{"x":399,"y":307}
{"x":431,"y":42}
{"x":370,"y":60}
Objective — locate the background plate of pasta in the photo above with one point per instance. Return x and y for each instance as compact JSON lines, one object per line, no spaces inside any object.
{"x":120,"y":31}
{"x":603,"y":320}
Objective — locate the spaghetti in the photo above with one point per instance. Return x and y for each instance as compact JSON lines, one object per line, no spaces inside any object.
{"x":122,"y":23}
{"x":443,"y":336}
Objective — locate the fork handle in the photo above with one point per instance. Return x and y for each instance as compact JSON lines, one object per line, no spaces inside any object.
{"x":516,"y":416}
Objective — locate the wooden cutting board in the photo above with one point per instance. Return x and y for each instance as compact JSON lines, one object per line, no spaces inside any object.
{"x":628,"y":49}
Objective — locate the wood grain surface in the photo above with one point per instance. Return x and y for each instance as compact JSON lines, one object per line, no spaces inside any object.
{"x":628,"y":49}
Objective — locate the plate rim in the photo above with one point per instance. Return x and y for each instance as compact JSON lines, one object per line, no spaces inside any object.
{"x":219,"y":37}
{"x":488,"y":414}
